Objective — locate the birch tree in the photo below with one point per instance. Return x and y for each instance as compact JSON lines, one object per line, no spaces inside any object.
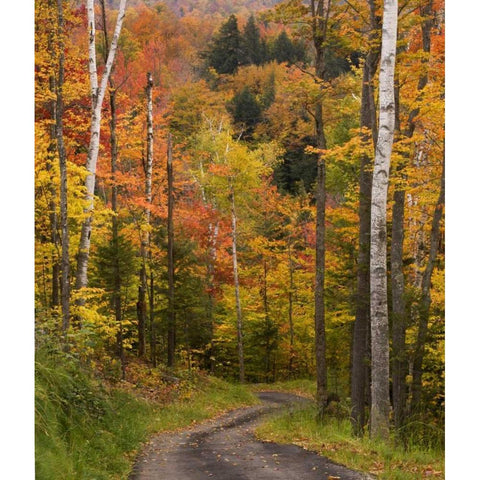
{"x":148,"y":196}
{"x":378,"y":247}
{"x":97,"y":92}
{"x":145,"y":230}
{"x":230,"y":173}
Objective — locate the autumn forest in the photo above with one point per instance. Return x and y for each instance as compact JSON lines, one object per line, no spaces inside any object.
{"x":245,"y":190}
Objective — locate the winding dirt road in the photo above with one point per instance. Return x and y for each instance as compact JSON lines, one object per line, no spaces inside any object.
{"x":226,"y":449}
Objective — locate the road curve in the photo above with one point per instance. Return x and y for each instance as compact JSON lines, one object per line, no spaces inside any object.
{"x":226,"y":449}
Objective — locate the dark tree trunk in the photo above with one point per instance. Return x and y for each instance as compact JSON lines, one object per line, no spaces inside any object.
{"x":117,"y":281}
{"x":117,"y":299}
{"x":291,"y":287}
{"x":52,"y":205}
{"x":361,"y":348}
{"x":424,"y":308}
{"x":142,"y":310}
{"x":268,"y":329}
{"x":320,"y":341}
{"x":62,"y":155}
{"x":153,"y":333}
{"x":319,"y":21}
{"x":241,"y":361}
{"x":399,"y":359}
{"x":399,"y":354}
{"x":171,"y":260}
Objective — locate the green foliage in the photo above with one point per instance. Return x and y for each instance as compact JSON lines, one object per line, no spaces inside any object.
{"x":254,"y":50}
{"x":82,"y":431}
{"x":298,"y":171}
{"x":115,"y":259}
{"x":268,"y":95}
{"x":246,"y":110}
{"x":285,"y":50}
{"x":224,"y":53}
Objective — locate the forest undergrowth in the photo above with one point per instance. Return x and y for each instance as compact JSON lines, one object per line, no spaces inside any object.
{"x":87,"y":427}
{"x":91,"y":426}
{"x":419,"y":455}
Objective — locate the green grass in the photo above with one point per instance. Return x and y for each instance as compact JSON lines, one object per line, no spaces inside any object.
{"x":334,"y":440}
{"x":86,"y":431}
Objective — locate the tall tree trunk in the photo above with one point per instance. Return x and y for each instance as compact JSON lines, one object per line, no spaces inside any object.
{"x":210,"y":272}
{"x":320,"y":341}
{"x":62,"y":155}
{"x":153,"y":333}
{"x":52,"y":204}
{"x":268,"y":325}
{"x":399,"y":365}
{"x":378,"y":253}
{"x":241,"y":362}
{"x":52,"y":157}
{"x":117,"y":281}
{"x":319,"y":23}
{"x":145,"y":234}
{"x":360,"y":346}
{"x":291,"y":287}
{"x":424,"y":310}
{"x":171,"y":260}
{"x":117,"y":299}
{"x":212,"y":257}
{"x":426,"y":11}
{"x":399,"y":360}
{"x":97,"y":96}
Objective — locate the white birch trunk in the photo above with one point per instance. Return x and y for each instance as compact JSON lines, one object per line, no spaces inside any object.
{"x":97,"y":94}
{"x":378,"y":256}
{"x":149,"y":165}
{"x":145,"y":247}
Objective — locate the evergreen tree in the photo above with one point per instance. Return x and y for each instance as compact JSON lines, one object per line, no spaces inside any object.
{"x":268,"y":94}
{"x":284,"y":50}
{"x":224,"y":52}
{"x":252,"y":46}
{"x":246,"y":110}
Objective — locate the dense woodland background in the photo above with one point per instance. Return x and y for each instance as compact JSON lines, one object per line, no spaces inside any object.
{"x":183,"y":270}
{"x":200,"y":247}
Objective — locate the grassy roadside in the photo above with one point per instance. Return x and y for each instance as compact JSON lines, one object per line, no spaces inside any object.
{"x":86,"y":430}
{"x":334,"y":440}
